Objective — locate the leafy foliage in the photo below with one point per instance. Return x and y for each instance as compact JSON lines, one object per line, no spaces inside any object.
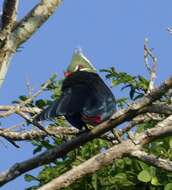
{"x":137,"y":85}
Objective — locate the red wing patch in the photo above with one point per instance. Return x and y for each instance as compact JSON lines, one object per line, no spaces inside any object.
{"x":93,"y":120}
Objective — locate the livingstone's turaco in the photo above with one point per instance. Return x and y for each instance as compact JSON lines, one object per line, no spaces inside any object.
{"x":85,"y":98}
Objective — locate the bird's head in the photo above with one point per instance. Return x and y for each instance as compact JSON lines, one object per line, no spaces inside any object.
{"x":79,"y":63}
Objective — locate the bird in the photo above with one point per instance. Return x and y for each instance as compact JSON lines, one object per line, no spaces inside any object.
{"x":85,"y":98}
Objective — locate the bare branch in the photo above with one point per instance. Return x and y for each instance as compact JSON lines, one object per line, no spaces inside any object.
{"x":162,"y":129}
{"x":152,"y":70}
{"x":7,"y":110}
{"x":136,"y":121}
{"x":43,"y":87}
{"x":33,"y":20}
{"x":29,"y":88}
{"x":159,"y":108}
{"x":36,"y":134}
{"x":20,"y":108}
{"x":153,"y":160}
{"x":31,"y":121}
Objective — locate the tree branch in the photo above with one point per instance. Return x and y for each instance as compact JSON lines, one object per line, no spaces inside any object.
{"x":7,"y":110}
{"x":153,"y":160}
{"x":162,"y":129}
{"x":126,"y":147}
{"x":159,"y":108}
{"x":36,"y":134}
{"x":21,"y":106}
{"x":23,"y":31}
{"x":152,"y":70}
{"x":33,"y":20}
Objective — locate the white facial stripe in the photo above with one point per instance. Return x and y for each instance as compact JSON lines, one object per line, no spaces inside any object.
{"x":76,"y":68}
{"x":84,"y":69}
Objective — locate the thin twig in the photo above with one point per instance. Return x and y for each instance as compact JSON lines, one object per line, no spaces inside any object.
{"x":29,"y":88}
{"x":18,"y":107}
{"x":151,"y":69}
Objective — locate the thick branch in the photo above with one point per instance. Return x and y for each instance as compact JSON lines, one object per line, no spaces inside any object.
{"x":33,"y":20}
{"x":6,"y":49}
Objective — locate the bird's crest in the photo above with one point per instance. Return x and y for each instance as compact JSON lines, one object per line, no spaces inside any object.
{"x":80,"y":62}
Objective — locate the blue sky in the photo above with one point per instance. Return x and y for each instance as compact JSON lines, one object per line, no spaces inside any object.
{"x":110,"y":33}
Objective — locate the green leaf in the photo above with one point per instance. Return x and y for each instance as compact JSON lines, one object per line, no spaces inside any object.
{"x":170,"y":142}
{"x":53,"y":77}
{"x":115,"y":82}
{"x":168,"y":186}
{"x":23,"y":98}
{"x":155,"y":181}
{"x":120,"y":163}
{"x":46,"y":144}
{"x":128,"y":161}
{"x":138,"y":96}
{"x":32,"y":187}
{"x":144,"y":176}
{"x":41,"y":103}
{"x":132,"y":92}
{"x":37,"y":149}
{"x":144,"y":83}
{"x":121,"y":102}
{"x":152,"y":171}
{"x":30,"y":178}
{"x":121,"y":176}
{"x":143,"y":165}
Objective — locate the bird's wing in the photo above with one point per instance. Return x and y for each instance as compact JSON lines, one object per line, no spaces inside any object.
{"x":101,"y":100}
{"x":70,"y":102}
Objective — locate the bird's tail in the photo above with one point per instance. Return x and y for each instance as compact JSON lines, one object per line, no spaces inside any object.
{"x":41,"y":116}
{"x":48,"y":113}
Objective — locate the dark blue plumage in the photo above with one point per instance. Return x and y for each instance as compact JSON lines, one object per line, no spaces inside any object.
{"x":85,"y":99}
